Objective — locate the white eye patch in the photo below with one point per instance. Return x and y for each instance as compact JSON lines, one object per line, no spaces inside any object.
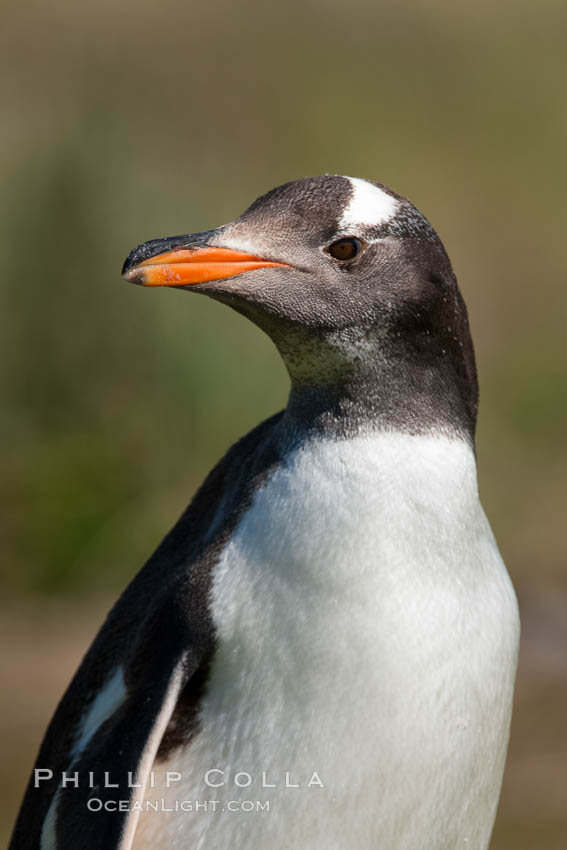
{"x":368,"y":206}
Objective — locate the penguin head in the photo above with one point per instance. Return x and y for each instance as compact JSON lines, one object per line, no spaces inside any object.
{"x":345,"y":275}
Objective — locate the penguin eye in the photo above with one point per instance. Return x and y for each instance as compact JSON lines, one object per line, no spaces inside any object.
{"x":344,"y":249}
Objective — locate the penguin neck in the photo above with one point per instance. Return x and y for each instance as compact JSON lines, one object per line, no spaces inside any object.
{"x":346,"y":384}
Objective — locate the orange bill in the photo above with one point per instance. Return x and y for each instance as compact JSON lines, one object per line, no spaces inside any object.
{"x":186,"y":266}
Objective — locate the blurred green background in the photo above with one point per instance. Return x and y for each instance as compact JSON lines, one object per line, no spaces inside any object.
{"x":124,"y":122}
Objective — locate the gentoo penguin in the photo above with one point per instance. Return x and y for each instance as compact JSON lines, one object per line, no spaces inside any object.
{"x":321,"y":653}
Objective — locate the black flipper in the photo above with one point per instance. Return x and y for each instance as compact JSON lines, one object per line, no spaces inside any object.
{"x":160,"y":639}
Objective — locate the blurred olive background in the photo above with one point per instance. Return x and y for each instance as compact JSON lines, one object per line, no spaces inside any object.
{"x":126,"y":121}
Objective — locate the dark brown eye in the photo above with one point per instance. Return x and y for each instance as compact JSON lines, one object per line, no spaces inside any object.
{"x":344,"y":249}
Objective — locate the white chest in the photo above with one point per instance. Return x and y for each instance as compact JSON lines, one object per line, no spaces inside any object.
{"x":368,"y":634}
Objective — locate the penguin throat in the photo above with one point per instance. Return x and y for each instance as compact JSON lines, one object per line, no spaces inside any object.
{"x":349,"y":381}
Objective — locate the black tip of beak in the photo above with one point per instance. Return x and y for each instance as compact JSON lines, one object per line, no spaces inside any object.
{"x":167,"y":243}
